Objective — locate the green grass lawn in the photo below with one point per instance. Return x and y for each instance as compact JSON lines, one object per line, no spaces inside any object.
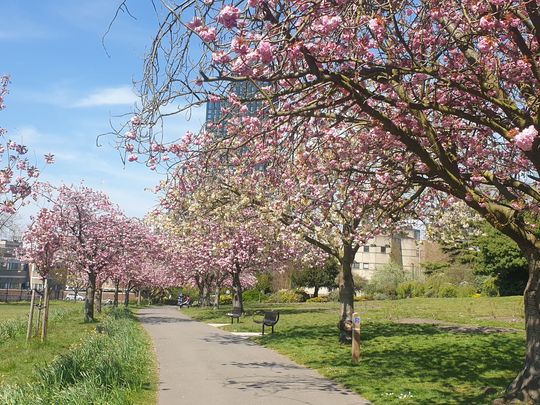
{"x":401,"y":363}
{"x":68,"y":337}
{"x":20,"y":359}
{"x":20,"y":309}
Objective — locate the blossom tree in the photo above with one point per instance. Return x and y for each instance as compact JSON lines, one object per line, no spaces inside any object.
{"x":333,"y":200}
{"x":139,"y":248}
{"x":41,"y":246}
{"x":87,"y":222}
{"x":223,"y":239}
{"x":453,"y":85}
{"x":17,"y":173}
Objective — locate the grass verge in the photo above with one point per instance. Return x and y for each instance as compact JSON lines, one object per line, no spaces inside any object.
{"x":115,"y":366}
{"x":401,"y":363}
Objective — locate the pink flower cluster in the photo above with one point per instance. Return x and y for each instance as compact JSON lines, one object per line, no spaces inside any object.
{"x":525,"y":139}
{"x":327,"y":24}
{"x":228,"y":16}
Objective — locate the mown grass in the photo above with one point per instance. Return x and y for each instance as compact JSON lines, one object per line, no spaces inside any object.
{"x":401,"y":363}
{"x":13,"y":310}
{"x":14,"y":317}
{"x":112,"y":367}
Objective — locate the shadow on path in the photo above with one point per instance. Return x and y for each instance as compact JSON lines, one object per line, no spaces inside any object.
{"x":161,"y":319}
{"x":228,"y":340}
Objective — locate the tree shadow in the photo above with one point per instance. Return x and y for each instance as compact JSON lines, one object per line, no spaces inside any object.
{"x":458,"y":368}
{"x":227,"y":339}
{"x":154,"y":320}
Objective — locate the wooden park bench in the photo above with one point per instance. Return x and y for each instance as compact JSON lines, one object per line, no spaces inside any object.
{"x":235,"y":313}
{"x":266,"y":318}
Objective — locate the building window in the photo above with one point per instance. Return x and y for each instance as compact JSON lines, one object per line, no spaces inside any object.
{"x":366,"y":249}
{"x":365,"y":266}
{"x":356,"y":266}
{"x":13,"y":266}
{"x":383,"y":249}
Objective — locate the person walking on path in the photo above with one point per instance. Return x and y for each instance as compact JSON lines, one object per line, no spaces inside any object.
{"x":201,"y":364}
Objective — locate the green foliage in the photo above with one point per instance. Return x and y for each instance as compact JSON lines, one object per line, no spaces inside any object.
{"x":410,"y":289}
{"x":385,"y":281}
{"x":333,"y":295}
{"x":254,"y":296}
{"x":489,"y":286}
{"x":117,"y":359}
{"x":434,"y":267}
{"x":226,"y":299}
{"x":264,"y":283}
{"x":447,"y":290}
{"x":360,"y":283}
{"x":500,"y":257}
{"x":317,"y":299}
{"x":318,"y":276}
{"x":288,"y":296}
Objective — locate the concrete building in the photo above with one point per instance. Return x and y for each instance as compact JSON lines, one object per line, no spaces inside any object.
{"x":406,"y":249}
{"x":14,"y":274}
{"x":218,"y":112}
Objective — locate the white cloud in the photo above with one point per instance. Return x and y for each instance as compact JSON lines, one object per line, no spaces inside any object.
{"x":108,"y":96}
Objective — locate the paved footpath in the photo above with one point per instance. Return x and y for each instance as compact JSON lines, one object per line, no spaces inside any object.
{"x":200,"y":364}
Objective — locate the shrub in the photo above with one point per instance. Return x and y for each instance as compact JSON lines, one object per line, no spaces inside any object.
{"x":226,"y":299}
{"x":253,"y":296}
{"x":386,"y":280}
{"x":303,"y":295}
{"x":448,"y":291}
{"x":333,"y":295}
{"x":489,"y":287}
{"x":466,"y":290}
{"x":287,"y":296}
{"x":317,"y":299}
{"x":410,"y":289}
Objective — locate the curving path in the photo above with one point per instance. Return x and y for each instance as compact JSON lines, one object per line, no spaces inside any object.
{"x":201,"y":364}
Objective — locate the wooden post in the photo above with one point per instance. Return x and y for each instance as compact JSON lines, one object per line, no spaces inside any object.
{"x":46,"y":310}
{"x":38,"y":319}
{"x":30,"y":316}
{"x":355,"y":338}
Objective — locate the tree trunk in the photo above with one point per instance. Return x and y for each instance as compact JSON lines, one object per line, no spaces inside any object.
{"x":99,"y":299}
{"x":116,"y":291}
{"x":31,"y":315}
{"x":315,"y":291}
{"x":526,"y":386}
{"x":204,"y":297}
{"x":217,"y":297}
{"x":346,"y":294}
{"x":139,"y":297}
{"x":126,"y":297}
{"x":90,"y":295}
{"x":45,"y":310}
{"x":238,"y":301}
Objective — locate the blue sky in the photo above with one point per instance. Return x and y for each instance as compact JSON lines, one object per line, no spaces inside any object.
{"x":66,"y":88}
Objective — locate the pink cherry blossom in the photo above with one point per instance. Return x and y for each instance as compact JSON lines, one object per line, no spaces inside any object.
{"x":525,"y":139}
{"x":228,"y":16}
{"x":264,"y":50}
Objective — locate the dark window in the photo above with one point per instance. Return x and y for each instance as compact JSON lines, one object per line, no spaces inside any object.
{"x":366,"y":249}
{"x":383,"y":249}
